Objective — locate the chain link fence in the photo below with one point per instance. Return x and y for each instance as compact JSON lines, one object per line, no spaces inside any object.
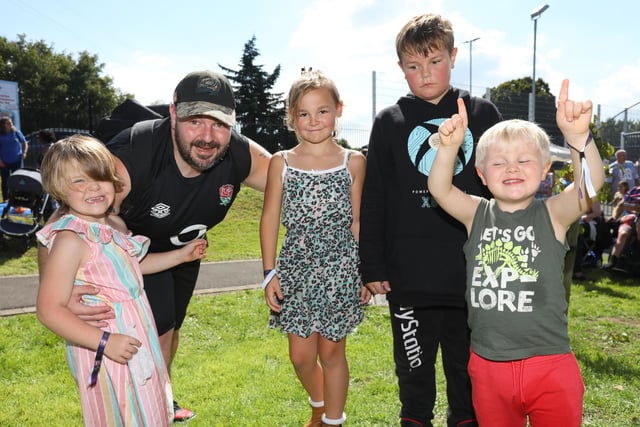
{"x":630,"y":142}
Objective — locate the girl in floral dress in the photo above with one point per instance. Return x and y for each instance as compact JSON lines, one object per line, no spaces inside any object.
{"x":314,"y":289}
{"x":89,"y":246}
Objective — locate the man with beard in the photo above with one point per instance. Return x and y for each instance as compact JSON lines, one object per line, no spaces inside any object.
{"x":181,"y":174}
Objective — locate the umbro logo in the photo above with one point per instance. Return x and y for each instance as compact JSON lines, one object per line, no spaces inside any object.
{"x":160,"y":211}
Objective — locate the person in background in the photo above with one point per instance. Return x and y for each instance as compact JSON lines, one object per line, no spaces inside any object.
{"x":587,"y":236}
{"x":625,"y":214}
{"x":622,"y":170}
{"x":46,"y":137}
{"x":546,"y":186}
{"x":406,"y":240}
{"x":314,"y":288}
{"x":522,"y":369}
{"x":13,"y":151}
{"x":88,"y":245}
{"x":181,"y":175}
{"x":617,"y":201}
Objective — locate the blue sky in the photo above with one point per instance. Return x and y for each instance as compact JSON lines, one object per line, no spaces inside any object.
{"x":148,"y":46}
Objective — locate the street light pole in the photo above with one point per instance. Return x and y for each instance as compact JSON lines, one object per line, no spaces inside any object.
{"x":471,"y":61}
{"x":532,"y":97}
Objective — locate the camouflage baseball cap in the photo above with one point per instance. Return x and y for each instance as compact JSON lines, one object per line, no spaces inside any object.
{"x":205,"y":93}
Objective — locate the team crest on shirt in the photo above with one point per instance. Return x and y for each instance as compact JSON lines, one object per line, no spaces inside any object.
{"x":226,"y":194}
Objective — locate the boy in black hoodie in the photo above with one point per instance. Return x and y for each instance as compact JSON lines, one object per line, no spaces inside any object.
{"x":402,"y":226}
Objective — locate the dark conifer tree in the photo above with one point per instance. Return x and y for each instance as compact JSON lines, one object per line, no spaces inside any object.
{"x":259,"y":111}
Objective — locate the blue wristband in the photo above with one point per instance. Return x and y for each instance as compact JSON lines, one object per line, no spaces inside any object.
{"x":98,"y":360}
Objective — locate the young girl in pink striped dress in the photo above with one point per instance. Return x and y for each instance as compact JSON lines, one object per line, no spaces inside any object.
{"x":119,"y":369}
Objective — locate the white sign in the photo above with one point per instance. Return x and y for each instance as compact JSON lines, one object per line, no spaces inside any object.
{"x":9,"y":101}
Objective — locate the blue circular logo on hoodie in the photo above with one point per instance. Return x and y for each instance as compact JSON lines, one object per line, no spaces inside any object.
{"x":424,"y":142}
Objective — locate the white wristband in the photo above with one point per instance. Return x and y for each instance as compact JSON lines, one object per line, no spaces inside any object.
{"x":268,"y":278}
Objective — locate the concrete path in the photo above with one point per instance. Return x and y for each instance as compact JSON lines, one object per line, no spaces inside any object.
{"x":18,"y":293}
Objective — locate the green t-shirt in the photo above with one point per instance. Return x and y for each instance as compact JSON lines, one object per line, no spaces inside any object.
{"x":516,"y":300}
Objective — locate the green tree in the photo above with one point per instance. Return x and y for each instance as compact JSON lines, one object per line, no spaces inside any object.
{"x":508,"y":89}
{"x":605,"y":195}
{"x":512,"y":99}
{"x":55,"y":89}
{"x":260,"y":112}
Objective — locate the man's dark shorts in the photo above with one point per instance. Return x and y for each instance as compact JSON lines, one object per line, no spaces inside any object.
{"x":169,"y":293}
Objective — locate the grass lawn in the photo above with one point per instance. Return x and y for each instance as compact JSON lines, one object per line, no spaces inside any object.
{"x":233,"y":371}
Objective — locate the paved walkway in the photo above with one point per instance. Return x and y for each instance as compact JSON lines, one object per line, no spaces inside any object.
{"x":18,"y":293}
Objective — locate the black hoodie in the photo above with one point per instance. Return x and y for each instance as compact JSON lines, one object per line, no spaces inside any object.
{"x":404,"y":237}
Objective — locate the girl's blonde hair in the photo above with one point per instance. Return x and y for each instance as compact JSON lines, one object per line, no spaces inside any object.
{"x":309,"y":80}
{"x":76,"y":153}
{"x":513,"y":132}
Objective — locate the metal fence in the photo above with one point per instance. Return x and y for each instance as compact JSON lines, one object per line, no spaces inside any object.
{"x":630,"y":142}
{"x":355,"y":136}
{"x":390,"y":86}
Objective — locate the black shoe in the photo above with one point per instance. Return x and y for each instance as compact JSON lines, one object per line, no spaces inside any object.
{"x":181,"y":414}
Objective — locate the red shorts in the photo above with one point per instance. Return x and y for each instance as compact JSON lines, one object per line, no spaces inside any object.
{"x":546,"y":389}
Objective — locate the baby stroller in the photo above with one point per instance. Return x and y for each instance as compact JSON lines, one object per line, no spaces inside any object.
{"x":27,"y":207}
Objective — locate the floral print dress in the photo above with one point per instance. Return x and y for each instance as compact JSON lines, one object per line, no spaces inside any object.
{"x":318,"y":263}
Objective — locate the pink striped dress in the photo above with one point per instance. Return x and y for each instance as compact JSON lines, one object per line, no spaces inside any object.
{"x":138,"y":393}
